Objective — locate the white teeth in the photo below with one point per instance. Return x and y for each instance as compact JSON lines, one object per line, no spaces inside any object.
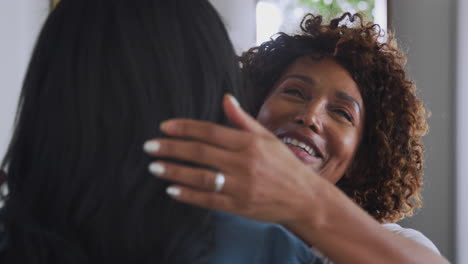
{"x":299,"y":144}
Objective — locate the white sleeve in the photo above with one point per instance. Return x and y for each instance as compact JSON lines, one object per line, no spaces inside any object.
{"x":412,"y":235}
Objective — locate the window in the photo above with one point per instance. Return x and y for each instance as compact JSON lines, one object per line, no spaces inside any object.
{"x":285,"y":15}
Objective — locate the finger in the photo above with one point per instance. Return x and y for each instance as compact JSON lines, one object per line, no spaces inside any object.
{"x":199,"y":178}
{"x":191,"y":151}
{"x":218,"y":135}
{"x":209,"y":200}
{"x":238,"y":117}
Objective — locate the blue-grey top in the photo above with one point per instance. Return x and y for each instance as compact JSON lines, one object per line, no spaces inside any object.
{"x":240,"y":240}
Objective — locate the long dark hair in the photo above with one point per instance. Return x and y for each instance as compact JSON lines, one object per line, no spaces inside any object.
{"x":103,"y":75}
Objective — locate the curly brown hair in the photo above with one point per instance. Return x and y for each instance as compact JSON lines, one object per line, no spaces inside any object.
{"x":385,"y":178}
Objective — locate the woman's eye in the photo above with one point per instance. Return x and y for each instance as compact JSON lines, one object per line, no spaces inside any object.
{"x":345,"y":115}
{"x":294,"y":92}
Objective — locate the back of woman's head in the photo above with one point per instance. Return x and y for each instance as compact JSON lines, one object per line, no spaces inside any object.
{"x":102,"y":77}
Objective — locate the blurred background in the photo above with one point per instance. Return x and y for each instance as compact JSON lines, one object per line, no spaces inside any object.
{"x":429,"y":31}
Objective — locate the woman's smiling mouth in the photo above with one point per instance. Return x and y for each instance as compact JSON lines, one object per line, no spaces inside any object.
{"x":303,"y":147}
{"x":299,"y":144}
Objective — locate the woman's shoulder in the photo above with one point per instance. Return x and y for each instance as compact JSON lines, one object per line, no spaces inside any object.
{"x":412,"y":234}
{"x":241,"y":240}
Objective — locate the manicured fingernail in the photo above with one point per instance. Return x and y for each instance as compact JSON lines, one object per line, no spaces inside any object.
{"x":152,"y":146}
{"x":233,"y":100}
{"x":173,"y":191}
{"x":157,"y":169}
{"x":167,"y":126}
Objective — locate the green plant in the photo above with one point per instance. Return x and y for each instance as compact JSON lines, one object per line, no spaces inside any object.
{"x":331,"y":8}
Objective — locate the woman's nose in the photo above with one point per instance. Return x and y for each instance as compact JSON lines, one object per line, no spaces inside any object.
{"x":311,"y":116}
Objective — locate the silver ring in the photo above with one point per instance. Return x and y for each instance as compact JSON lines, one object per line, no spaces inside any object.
{"x":219,"y":182}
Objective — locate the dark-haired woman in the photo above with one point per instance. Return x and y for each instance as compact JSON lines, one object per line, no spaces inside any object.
{"x":336,"y":150}
{"x":103,"y":74}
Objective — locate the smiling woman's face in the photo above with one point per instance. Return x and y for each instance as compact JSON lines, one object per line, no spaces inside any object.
{"x":317,"y":110}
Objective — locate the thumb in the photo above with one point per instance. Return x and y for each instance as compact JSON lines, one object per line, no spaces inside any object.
{"x":239,"y":118}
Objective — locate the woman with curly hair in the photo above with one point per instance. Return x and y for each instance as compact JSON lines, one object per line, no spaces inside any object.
{"x":335,"y":155}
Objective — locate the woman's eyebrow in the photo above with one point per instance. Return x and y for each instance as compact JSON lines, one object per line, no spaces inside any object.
{"x":302,"y":78}
{"x":349,"y":98}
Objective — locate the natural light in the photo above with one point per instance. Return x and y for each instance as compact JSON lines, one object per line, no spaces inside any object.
{"x":284,"y":15}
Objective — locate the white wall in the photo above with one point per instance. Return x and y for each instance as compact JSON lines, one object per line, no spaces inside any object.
{"x":20,"y":20}
{"x":239,"y":18}
{"x":462,"y":140}
{"x":424,"y":29}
